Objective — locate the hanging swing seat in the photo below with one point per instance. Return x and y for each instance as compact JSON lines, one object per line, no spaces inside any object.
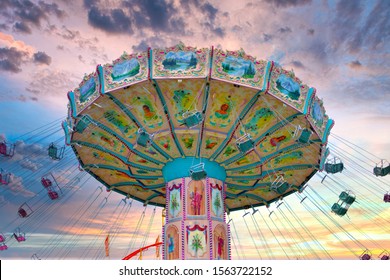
{"x":197,"y":172}
{"x":2,"y":238}
{"x":3,"y":247}
{"x":279,"y":185}
{"x":46,"y":182}
{"x":20,"y":237}
{"x":83,"y":123}
{"x":366,"y":255}
{"x":4,"y":177}
{"x":55,"y":152}
{"x":384,"y":256}
{"x":144,"y":139}
{"x":339,"y":210}
{"x":304,"y":137}
{"x":53,"y":195}
{"x":25,"y":211}
{"x":6,"y":149}
{"x":245,"y":143}
{"x":386,"y":198}
{"x":347,"y":197}
{"x":334,"y":166}
{"x":192,"y":118}
{"x":381,"y":171}
{"x":282,"y":188}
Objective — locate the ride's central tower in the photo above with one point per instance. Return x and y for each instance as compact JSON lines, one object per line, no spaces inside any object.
{"x":195,"y":225}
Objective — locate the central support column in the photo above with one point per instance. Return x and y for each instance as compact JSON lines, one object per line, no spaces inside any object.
{"x":195,"y":226}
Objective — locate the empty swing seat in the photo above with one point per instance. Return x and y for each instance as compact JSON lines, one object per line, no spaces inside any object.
{"x":334,"y":167}
{"x":197,"y":172}
{"x":305,"y":136}
{"x":3,"y":148}
{"x":280,"y":188}
{"x":7,"y":150}
{"x":22,"y":213}
{"x":2,"y":238}
{"x":381,"y":171}
{"x":386,"y":198}
{"x":3,"y":247}
{"x":19,"y":238}
{"x":192,"y":119}
{"x":385,"y":257}
{"x":46,"y":182}
{"x":144,"y":139}
{"x":347,"y":198}
{"x":24,"y":210}
{"x":366,"y":255}
{"x":337,"y":209}
{"x":245,"y":143}
{"x":55,"y":152}
{"x":53,"y":195}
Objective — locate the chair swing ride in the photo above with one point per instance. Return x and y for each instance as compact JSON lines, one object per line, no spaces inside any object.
{"x":201,"y":133}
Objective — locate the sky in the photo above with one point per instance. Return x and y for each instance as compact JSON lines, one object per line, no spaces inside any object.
{"x":341,"y":48}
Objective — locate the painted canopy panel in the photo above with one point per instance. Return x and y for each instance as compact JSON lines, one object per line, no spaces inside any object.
{"x":85,"y":94}
{"x":244,"y":117}
{"x":124,"y":71}
{"x":286,"y":86}
{"x":239,"y":68}
{"x":180,"y":62}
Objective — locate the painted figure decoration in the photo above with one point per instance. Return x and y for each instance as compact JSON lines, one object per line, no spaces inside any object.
{"x":220,"y":243}
{"x":172,"y":242}
{"x":196,"y":198}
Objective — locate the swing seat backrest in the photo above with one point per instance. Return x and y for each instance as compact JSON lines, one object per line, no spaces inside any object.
{"x":3,"y":149}
{"x":193,"y":119}
{"x":22,"y":213}
{"x":348,"y":199}
{"x":305,"y":136}
{"x":53,"y":195}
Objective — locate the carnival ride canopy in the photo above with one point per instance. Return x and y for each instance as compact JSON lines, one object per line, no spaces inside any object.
{"x":149,"y":117}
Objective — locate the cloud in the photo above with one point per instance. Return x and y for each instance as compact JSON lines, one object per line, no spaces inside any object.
{"x":23,"y":14}
{"x":41,"y":58}
{"x":288,"y":3}
{"x":285,"y":30}
{"x":22,"y":27}
{"x":355,"y":64}
{"x":51,"y":82}
{"x":11,"y":59}
{"x":7,"y":40}
{"x":160,"y":17}
{"x":112,"y":21}
{"x":16,"y":186}
{"x":297,"y":64}
{"x":356,"y":29}
{"x":28,"y":164}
